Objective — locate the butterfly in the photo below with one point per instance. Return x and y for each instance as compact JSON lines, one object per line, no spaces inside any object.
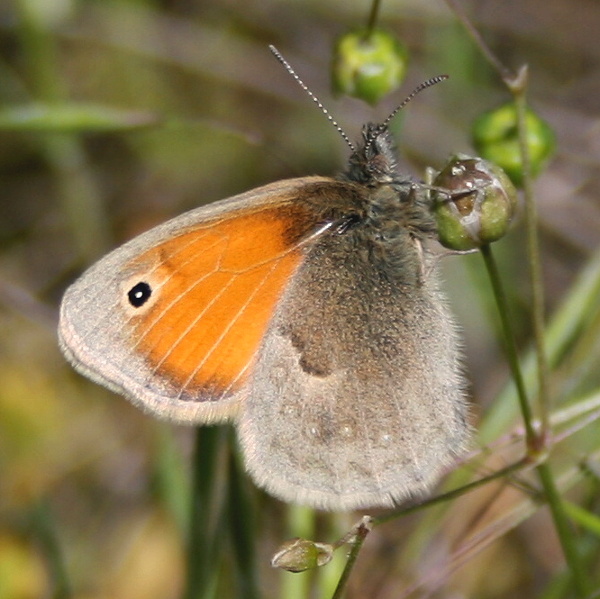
{"x":309,"y":313}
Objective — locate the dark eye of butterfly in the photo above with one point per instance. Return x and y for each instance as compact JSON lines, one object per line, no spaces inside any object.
{"x":347,"y":223}
{"x":139,"y":294}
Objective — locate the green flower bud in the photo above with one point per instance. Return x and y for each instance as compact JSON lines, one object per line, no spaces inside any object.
{"x":368,"y":65}
{"x":474,"y":203}
{"x":496,"y":138}
{"x":298,"y":555}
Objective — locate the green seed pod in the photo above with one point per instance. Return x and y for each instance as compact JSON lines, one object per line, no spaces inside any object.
{"x":298,"y":555}
{"x":496,"y":138}
{"x":476,"y":205}
{"x":368,"y":65}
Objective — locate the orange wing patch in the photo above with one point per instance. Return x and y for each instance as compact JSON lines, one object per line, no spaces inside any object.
{"x":217,"y":286}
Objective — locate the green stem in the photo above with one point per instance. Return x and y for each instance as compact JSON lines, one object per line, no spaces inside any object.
{"x":518,"y":87}
{"x":242,"y":528}
{"x":582,"y":586}
{"x":511,"y":348}
{"x":536,"y":444}
{"x":205,"y":537}
{"x":361,"y":534}
{"x":444,"y":497}
{"x":172,"y":479}
{"x":581,"y":583}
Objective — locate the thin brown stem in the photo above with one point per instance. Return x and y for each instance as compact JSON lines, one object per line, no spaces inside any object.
{"x":373,"y":16}
{"x":503,"y":71}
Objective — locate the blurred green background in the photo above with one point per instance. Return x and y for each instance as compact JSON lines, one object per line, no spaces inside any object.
{"x":115,"y":115}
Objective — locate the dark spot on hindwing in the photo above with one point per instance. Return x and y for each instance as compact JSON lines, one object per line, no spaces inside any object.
{"x":314,"y":368}
{"x":309,"y":361}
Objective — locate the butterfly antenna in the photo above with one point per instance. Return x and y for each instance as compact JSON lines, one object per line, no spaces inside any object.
{"x":429,"y":83}
{"x":312,"y":96}
{"x":383,"y":126}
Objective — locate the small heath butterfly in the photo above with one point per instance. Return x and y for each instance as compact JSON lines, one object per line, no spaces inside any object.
{"x":309,"y":313}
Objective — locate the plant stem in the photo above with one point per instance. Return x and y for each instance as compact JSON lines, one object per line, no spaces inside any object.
{"x":565,"y":532}
{"x":459,"y":13}
{"x":511,"y":347}
{"x":171,"y":477}
{"x":373,"y":16}
{"x":242,"y":528}
{"x":582,"y":586}
{"x":361,"y":534}
{"x":454,"y":493}
{"x":518,"y":87}
{"x":205,"y":537}
{"x":536,"y":444}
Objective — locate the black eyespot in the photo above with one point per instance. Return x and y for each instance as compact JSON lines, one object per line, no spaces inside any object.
{"x":139,"y":294}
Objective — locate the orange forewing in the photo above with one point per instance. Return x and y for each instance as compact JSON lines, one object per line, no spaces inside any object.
{"x":217,"y":287}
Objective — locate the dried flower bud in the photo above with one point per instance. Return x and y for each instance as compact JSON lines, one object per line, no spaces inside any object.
{"x":477,"y":207}
{"x":496,"y":138}
{"x":368,"y":65}
{"x":298,"y":555}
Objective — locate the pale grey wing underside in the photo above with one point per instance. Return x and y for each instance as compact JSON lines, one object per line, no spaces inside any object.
{"x":357,"y":398}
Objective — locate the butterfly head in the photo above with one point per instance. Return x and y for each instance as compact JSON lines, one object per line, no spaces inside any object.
{"x":373,"y":162}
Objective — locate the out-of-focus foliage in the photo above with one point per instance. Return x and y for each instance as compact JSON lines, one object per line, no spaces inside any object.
{"x":117,"y":115}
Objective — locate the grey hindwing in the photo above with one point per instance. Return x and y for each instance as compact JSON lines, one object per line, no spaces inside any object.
{"x":357,"y":395}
